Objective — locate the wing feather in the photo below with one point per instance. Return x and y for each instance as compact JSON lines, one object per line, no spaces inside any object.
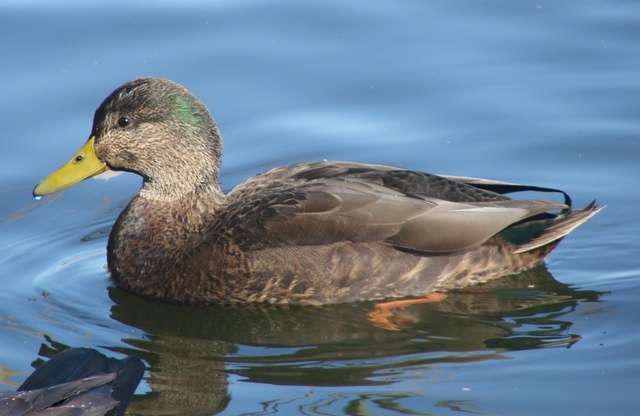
{"x":327,"y":202}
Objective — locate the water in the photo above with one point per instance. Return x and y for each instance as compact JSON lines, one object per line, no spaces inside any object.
{"x":543,"y":93}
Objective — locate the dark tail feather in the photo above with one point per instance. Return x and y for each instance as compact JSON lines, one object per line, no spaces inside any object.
{"x":561,"y":226}
{"x":78,"y":381}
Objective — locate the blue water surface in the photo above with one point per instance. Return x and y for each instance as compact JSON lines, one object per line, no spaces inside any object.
{"x":537,"y":92}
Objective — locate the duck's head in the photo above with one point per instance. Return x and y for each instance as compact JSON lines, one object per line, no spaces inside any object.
{"x":152,"y":127}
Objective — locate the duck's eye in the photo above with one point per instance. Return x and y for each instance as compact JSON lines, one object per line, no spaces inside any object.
{"x":124,"y":121}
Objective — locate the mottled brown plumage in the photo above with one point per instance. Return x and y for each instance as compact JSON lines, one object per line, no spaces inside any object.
{"x":311,"y":233}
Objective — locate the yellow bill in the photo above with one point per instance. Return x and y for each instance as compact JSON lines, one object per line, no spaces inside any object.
{"x":83,"y":164}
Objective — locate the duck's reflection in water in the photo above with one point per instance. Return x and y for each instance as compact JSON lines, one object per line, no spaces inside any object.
{"x":191,"y":351}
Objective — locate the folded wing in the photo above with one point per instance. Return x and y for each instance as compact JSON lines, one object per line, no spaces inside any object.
{"x":323,"y":203}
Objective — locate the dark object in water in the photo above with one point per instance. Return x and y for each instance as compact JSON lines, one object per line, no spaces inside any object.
{"x":78,"y":381}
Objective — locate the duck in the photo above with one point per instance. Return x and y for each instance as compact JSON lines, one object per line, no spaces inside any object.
{"x":311,"y":233}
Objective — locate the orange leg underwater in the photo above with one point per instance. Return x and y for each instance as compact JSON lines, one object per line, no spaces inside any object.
{"x":384,"y":311}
